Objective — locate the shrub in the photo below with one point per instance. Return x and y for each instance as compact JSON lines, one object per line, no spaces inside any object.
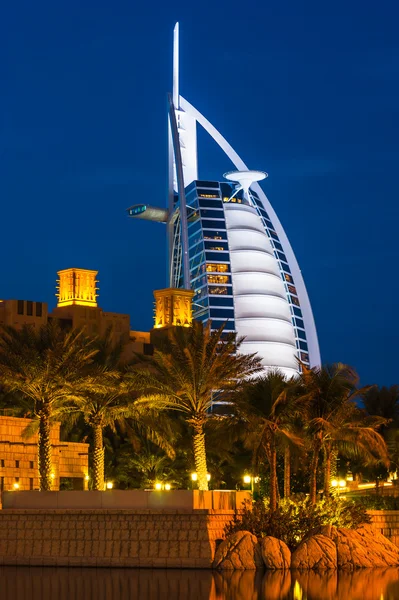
{"x":376,"y":502}
{"x":292,"y":521}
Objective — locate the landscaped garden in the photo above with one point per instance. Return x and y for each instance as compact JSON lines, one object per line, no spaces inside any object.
{"x":198,"y":414}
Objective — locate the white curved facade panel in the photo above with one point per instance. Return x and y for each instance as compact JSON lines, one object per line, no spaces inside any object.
{"x":238,"y":240}
{"x":256,"y":283}
{"x":266,"y":328}
{"x":274,"y":356}
{"x":264,"y":306}
{"x":263,"y":317}
{"x":253,"y":261}
{"x":247,"y":219}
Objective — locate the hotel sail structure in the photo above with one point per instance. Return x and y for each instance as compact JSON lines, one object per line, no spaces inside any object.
{"x":227,"y":245}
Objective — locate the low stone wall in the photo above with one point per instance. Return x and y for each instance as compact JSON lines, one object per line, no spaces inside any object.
{"x":111,"y":538}
{"x":387,"y":522}
{"x":127,"y":499}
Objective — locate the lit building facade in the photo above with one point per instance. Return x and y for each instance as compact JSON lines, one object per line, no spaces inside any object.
{"x":227,"y":245}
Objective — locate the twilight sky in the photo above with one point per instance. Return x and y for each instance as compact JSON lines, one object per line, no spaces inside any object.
{"x":308,"y":91}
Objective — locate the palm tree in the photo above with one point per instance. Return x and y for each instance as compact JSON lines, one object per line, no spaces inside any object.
{"x":268,"y":411}
{"x":43,"y":366}
{"x":194,"y":366}
{"x":384,"y":402}
{"x":110,"y":402}
{"x":334,"y":422}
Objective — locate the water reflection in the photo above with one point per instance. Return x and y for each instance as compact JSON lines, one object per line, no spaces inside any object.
{"x":47,"y":583}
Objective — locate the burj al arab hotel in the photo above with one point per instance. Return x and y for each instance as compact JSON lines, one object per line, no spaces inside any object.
{"x":226,"y":243}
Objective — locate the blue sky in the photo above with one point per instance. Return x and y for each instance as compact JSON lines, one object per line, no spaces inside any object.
{"x":307,"y":91}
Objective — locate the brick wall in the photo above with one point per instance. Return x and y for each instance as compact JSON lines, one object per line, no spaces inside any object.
{"x":387,"y":522}
{"x":118,"y":538}
{"x":18,"y":456}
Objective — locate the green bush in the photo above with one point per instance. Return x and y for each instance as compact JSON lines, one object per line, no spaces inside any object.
{"x":292,"y":521}
{"x":376,"y":502}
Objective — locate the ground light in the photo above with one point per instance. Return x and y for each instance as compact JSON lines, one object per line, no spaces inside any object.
{"x":194,"y":477}
{"x":109,"y":485}
{"x":162,"y":486}
{"x":16,"y":486}
{"x":250,"y":480}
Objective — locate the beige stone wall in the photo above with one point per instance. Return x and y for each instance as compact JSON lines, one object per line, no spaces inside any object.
{"x":18,"y":456}
{"x":130,"y":538}
{"x":387,"y":522}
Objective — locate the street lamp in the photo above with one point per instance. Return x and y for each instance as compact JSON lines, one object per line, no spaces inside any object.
{"x":194,"y":478}
{"x":250,"y":480}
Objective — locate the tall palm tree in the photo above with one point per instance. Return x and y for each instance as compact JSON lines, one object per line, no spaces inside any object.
{"x":334,"y":422}
{"x":111,"y":404}
{"x":194,"y":365}
{"x":384,"y":402}
{"x":268,"y":412}
{"x":43,"y":366}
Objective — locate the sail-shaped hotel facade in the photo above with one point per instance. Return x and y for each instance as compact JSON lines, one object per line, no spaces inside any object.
{"x":226,"y":243}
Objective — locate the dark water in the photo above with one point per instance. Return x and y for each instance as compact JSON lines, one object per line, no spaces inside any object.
{"x":47,"y":583}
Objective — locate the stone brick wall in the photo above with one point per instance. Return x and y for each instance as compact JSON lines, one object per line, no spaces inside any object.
{"x":387,"y":522}
{"x":111,"y":538}
{"x":18,"y":457}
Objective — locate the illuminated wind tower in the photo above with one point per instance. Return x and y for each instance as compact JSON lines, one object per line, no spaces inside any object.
{"x":227,"y":245}
{"x":77,"y":287}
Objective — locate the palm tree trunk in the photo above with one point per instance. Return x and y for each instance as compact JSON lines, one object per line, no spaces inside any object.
{"x":313,"y":476}
{"x":327,"y":470}
{"x":98,"y":459}
{"x":200,"y":456}
{"x":273,"y":479}
{"x":287,"y":472}
{"x":44,"y":453}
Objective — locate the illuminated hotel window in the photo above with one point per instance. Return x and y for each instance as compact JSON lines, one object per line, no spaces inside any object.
{"x":216,"y":246}
{"x":288,"y":278}
{"x":304,"y":357}
{"x":295,"y":300}
{"x":218,"y":279}
{"x":202,"y":195}
{"x":219,"y":290}
{"x":292,"y":289}
{"x":217,"y":268}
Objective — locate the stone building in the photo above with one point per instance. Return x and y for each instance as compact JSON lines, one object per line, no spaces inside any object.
{"x":18,"y":458}
{"x":76,"y":307}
